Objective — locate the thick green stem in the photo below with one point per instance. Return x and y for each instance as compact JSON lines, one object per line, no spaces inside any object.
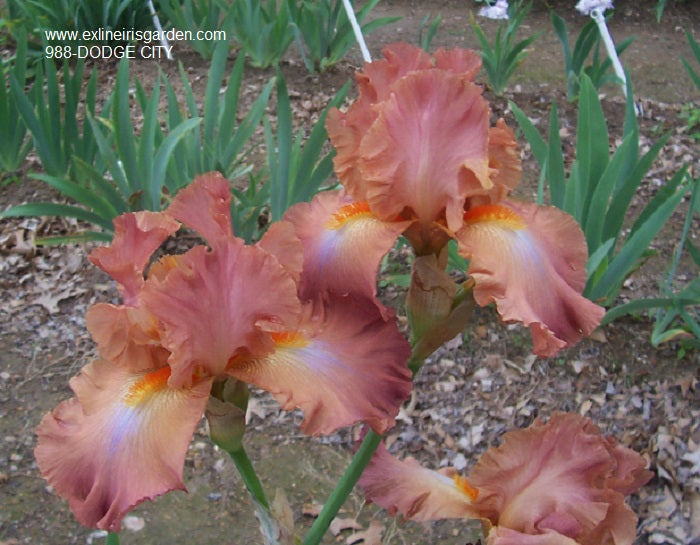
{"x":250,"y":478}
{"x":343,"y":488}
{"x":112,"y":539}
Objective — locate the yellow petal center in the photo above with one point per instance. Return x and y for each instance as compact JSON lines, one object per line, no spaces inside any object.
{"x":347,"y":213}
{"x":464,"y":486}
{"x":146,"y":386}
{"x":494,"y":213}
{"x":289,"y":339}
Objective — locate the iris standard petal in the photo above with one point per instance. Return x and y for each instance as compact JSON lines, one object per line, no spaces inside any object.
{"x":126,"y":336}
{"x":121,"y":441}
{"x":136,"y":236}
{"x":416,"y":492}
{"x":530,"y":260}
{"x":376,"y":84}
{"x":219,"y":302}
{"x":281,"y":240}
{"x":465,"y":62}
{"x":427,"y":151}
{"x":205,"y":206}
{"x":341,"y":367}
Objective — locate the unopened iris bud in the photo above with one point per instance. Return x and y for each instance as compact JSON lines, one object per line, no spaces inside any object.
{"x":225,"y":413}
{"x":438,"y":309}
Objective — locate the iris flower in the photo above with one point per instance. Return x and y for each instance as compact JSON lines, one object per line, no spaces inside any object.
{"x":417,"y":154}
{"x":559,"y":483}
{"x":223,"y":310}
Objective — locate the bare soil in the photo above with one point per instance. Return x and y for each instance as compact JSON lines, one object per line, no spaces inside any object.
{"x":466,"y":396}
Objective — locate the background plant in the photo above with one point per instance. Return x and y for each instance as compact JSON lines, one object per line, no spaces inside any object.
{"x":35,"y":16}
{"x":50,"y":111}
{"x":195,"y":16}
{"x":587,"y":45}
{"x":679,"y":319}
{"x":600,"y":188}
{"x":264,"y":29}
{"x":136,"y":165}
{"x":14,"y":144}
{"x":323,"y":31}
{"x":427,"y":30}
{"x":297,"y":167}
{"x":222,"y":143}
{"x":502,"y":58}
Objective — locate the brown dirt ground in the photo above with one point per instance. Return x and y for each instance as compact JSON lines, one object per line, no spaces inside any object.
{"x":466,"y":396}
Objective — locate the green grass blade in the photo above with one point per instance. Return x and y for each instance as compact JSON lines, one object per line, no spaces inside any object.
{"x":147,"y":141}
{"x":620,"y":167}
{"x":81,"y":194}
{"x":279,"y":193}
{"x":624,"y":192}
{"x":123,"y":129}
{"x":55,"y":209}
{"x":537,"y":144}
{"x":110,"y":159}
{"x":556,"y":175}
{"x":611,"y":281}
{"x":162,"y":158}
{"x":211,"y":94}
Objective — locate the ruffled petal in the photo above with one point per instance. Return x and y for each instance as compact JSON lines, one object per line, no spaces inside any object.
{"x":217,"y":303}
{"x":126,"y":336}
{"x":504,"y":161}
{"x":377,"y":77}
{"x":346,"y":366}
{"x":552,"y":478}
{"x":416,"y":492}
{"x":136,"y":236}
{"x":121,"y":441}
{"x":465,"y":62}
{"x":530,"y":260}
{"x":506,"y":536}
{"x":343,"y":245}
{"x":205,"y":206}
{"x":376,"y":84}
{"x":428,"y":149}
{"x":281,"y":240}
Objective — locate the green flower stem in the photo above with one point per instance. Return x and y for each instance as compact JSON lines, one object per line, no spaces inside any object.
{"x":414,"y":364}
{"x":112,"y":539}
{"x":343,"y":488}
{"x":250,"y":478}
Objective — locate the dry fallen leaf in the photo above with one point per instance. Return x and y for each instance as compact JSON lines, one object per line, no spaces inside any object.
{"x":370,"y":536}
{"x":338,"y":525}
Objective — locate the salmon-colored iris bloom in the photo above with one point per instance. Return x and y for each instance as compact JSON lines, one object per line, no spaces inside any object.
{"x":559,"y":483}
{"x":416,"y":152}
{"x":223,"y":310}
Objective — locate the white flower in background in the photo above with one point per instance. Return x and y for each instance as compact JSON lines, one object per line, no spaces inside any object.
{"x":498,"y":11}
{"x":587,"y":6}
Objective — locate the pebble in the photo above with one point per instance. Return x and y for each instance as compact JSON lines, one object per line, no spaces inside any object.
{"x":134,"y":523}
{"x":459,"y":462}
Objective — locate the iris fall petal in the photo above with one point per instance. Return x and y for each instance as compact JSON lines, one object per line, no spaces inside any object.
{"x":416,"y":492}
{"x":343,"y":245}
{"x":120,"y":441}
{"x":346,"y":366}
{"x":556,"y":477}
{"x":530,"y":260}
